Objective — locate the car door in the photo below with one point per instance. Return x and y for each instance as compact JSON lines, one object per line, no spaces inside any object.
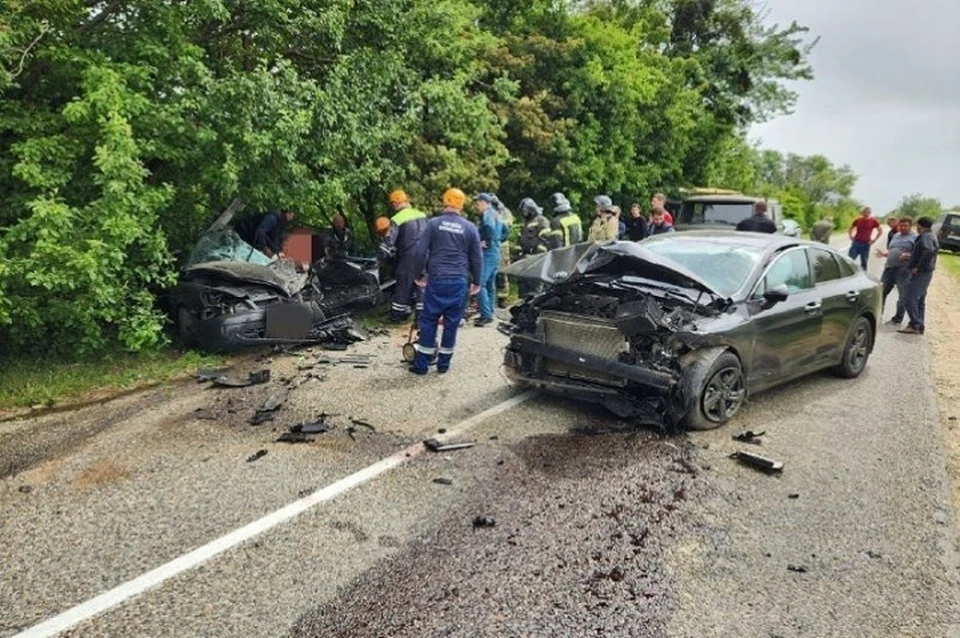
{"x":787,"y":335}
{"x":836,"y":283}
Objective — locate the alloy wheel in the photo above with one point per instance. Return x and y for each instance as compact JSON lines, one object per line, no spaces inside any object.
{"x":723,"y":395}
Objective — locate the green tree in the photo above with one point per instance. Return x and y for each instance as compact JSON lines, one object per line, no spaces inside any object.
{"x":916,"y":206}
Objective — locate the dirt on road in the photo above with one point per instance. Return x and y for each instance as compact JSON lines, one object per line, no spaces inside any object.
{"x":944,"y":326}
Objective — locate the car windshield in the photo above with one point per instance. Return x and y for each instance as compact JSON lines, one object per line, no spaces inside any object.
{"x":723,"y":267}
{"x":729,"y":213}
{"x":952,"y":221}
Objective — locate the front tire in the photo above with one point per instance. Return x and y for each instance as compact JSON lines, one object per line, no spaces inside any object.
{"x":857,"y":350}
{"x":715,"y":391}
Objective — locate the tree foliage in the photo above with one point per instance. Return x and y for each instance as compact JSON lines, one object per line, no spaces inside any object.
{"x":125,"y":126}
{"x":916,"y":206}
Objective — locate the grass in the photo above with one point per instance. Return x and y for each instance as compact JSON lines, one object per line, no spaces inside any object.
{"x":951,"y":262}
{"x":28,"y":382}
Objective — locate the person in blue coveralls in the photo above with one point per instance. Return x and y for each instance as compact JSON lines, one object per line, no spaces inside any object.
{"x":493,"y":232}
{"x":449,"y":252}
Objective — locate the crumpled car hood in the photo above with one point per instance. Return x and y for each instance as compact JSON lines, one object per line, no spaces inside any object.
{"x":280,"y":274}
{"x":619,"y":258}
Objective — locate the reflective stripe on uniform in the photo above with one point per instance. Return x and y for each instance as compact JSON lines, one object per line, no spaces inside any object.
{"x":398,"y":307}
{"x":423,"y":350}
{"x":446,"y":350}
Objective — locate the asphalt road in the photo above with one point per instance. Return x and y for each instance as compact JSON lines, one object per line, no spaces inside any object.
{"x":599,"y":528}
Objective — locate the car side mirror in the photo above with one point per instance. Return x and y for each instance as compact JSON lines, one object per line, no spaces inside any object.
{"x":775,"y":295}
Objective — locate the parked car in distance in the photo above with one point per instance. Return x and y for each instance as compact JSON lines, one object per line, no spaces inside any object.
{"x":947,"y":230}
{"x":722,"y":212}
{"x":682,"y":328}
{"x":791,"y":228}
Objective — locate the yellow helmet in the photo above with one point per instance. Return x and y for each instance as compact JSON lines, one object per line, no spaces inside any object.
{"x":382,"y":225}
{"x":454,"y":198}
{"x":398,"y":197}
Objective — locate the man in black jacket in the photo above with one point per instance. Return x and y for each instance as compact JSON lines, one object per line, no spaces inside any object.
{"x":923,"y":261}
{"x":636,"y":224}
{"x":758,"y":222}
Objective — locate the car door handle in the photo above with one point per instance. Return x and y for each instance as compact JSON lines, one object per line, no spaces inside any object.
{"x":853,"y":296}
{"x":813,"y":306}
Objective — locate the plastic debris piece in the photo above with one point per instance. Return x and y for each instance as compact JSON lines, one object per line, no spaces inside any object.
{"x":259,"y":454}
{"x":294,"y":437}
{"x":484,"y":521}
{"x":442,"y":480}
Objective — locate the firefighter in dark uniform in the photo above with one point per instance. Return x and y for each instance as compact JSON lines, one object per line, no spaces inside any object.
{"x":566,"y":225}
{"x":535,"y":239}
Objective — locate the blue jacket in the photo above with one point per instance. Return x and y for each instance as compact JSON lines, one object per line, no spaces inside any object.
{"x":494,"y":232}
{"x":449,"y":247}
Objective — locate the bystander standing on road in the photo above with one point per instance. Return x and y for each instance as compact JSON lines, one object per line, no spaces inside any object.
{"x":923,"y":261}
{"x":894,"y":225}
{"x":658,"y":223}
{"x":896,"y":270}
{"x":659,"y":200}
{"x":448,"y":251}
{"x":636,"y":224}
{"x":758,"y":222}
{"x":822,"y":230}
{"x":864,"y":232}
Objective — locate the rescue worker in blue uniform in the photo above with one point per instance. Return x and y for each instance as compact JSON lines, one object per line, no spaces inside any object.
{"x":493,"y":232}
{"x":400,"y":243}
{"x":449,"y":251}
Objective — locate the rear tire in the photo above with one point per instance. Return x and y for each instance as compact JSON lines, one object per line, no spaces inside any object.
{"x":857,"y":350}
{"x":715,"y":391}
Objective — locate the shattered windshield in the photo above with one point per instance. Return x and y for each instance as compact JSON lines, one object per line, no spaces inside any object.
{"x":724,"y":267}
{"x":225,"y":245}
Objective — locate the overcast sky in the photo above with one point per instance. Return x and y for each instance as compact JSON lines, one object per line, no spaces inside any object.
{"x":886,"y":96}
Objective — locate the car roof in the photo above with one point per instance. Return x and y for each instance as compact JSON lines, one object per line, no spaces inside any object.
{"x":766,"y":243}
{"x":727,"y":199}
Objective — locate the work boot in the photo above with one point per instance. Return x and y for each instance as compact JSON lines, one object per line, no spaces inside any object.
{"x":895,"y":321}
{"x":443,"y":363}
{"x":421,"y":363}
{"x":910,"y":330}
{"x":482,"y":321}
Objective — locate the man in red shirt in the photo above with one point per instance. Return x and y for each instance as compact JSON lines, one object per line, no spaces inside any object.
{"x":659,"y":200}
{"x":864,"y":231}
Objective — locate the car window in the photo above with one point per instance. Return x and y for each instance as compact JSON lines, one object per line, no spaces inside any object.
{"x":715,"y":213}
{"x":790,"y":269}
{"x":825,"y":266}
{"x":952,"y":221}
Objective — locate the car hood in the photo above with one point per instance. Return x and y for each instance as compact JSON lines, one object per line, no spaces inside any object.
{"x":281,"y":275}
{"x":619,"y":258}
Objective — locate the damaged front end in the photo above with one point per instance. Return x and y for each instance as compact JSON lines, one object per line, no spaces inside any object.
{"x":609,"y":334}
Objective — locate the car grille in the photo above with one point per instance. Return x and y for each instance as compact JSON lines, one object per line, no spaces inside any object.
{"x":586,"y":335}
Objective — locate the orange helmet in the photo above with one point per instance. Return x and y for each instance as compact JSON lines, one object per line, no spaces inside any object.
{"x":454,"y":198}
{"x":382,"y":225}
{"x":398,"y":197}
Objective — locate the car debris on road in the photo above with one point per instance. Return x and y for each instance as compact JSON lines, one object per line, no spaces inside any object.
{"x":749,"y":436}
{"x":758,"y":462}
{"x":484,"y":521}
{"x":259,"y":454}
{"x":257,"y":377}
{"x":440,"y":446}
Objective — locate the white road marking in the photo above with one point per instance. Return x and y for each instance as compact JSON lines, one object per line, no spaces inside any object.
{"x":155,"y":577}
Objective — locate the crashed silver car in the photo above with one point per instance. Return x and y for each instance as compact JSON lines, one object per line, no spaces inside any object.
{"x":230,"y":296}
{"x":681,"y":328}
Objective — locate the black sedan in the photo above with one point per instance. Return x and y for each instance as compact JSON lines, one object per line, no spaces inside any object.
{"x":681,"y":328}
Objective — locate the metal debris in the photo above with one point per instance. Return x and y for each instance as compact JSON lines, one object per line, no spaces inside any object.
{"x":259,"y":454}
{"x":353,"y":359}
{"x":441,"y":480}
{"x":25,"y":489}
{"x":294,"y":437}
{"x":758,"y":462}
{"x":254,"y":378}
{"x":799,"y":569}
{"x":793,"y":496}
{"x":749,"y":436}
{"x":439,"y":446}
{"x":267,"y":411}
